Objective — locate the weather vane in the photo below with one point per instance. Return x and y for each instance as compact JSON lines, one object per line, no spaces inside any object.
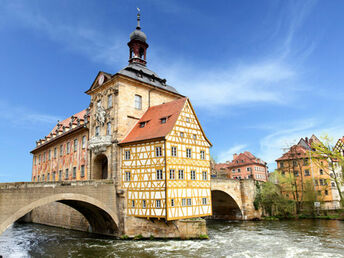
{"x":138,"y":18}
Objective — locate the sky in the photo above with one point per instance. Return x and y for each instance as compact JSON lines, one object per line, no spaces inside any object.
{"x":260,"y":74}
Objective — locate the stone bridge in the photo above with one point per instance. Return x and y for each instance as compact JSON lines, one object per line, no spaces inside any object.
{"x":104,"y":208}
{"x":233,"y":199}
{"x":95,"y":200}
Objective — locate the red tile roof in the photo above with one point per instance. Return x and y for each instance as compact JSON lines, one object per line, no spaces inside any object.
{"x":240,"y":160}
{"x":152,"y":118}
{"x":295,"y":152}
{"x":66,"y":122}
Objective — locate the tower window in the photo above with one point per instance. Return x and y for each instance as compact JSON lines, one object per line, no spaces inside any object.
{"x":141,"y":52}
{"x":138,"y":102}
{"x":108,"y":129}
{"x":109,"y":101}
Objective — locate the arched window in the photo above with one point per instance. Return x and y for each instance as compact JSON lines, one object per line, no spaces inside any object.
{"x":141,"y":53}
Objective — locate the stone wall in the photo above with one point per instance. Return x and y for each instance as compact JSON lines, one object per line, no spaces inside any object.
{"x":183,"y":229}
{"x":59,"y":215}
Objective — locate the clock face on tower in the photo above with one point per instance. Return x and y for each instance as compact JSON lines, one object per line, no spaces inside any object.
{"x":101,"y":80}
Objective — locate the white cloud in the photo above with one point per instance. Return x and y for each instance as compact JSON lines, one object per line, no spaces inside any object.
{"x":24,"y":117}
{"x":228,"y":154}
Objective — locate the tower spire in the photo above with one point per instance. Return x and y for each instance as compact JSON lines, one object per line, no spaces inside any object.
{"x":137,"y":44}
{"x":138,"y":19}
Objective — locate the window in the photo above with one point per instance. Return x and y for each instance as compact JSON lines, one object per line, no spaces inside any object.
{"x":54,"y":176}
{"x":108,"y":128}
{"x":333,"y":184}
{"x":144,"y":205}
{"x":172,"y":202}
{"x":163,"y":120}
{"x":82,"y":170}
{"x":195,"y":136}
{"x":321,"y":181}
{"x":38,"y":179}
{"x":75,"y":145}
{"x":67,"y":173}
{"x":127,"y":176}
{"x":183,"y":202}
{"x":109,"y":101}
{"x":189,"y":201}
{"x":60,"y":175}
{"x":35,"y":160}
{"x":187,"y":119}
{"x":181,"y":174}
{"x":174,"y":151}
{"x":181,"y":134}
{"x":249,"y":169}
{"x":193,"y":175}
{"x":326,"y":192}
{"x":68,"y":147}
{"x":319,"y":192}
{"x":172,"y":174}
{"x":158,"y":152}
{"x":49,"y":155}
{"x":44,"y":157}
{"x":204,"y":201}
{"x":281,"y":164}
{"x":138,"y":102}
{"x":84,"y":142}
{"x":316,"y":182}
{"x":132,"y":204}
{"x":204,"y":175}
{"x":158,"y":203}
{"x":39,"y":159}
{"x":74,"y":172}
{"x":188,"y":153}
{"x":159,"y":174}
{"x":202,"y":154}
{"x":97,"y":130}
{"x":43,"y":179}
{"x":48,"y":177}
{"x":238,"y":170}
{"x":127,"y":155}
{"x":321,"y":172}
{"x":296,"y":173}
{"x":294,"y":163}
{"x":55,"y":152}
{"x":305,"y":162}
{"x":307,"y":172}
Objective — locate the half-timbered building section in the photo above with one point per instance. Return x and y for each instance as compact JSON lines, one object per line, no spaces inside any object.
{"x":188,"y":168}
{"x":165,"y":164}
{"x":62,"y":155}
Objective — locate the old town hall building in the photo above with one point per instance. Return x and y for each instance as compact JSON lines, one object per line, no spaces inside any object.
{"x":139,"y":132}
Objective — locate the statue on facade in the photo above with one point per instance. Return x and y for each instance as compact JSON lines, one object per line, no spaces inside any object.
{"x":100,"y":114}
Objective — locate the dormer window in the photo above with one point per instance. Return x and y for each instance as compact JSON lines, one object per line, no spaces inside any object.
{"x":142,"y":124}
{"x":163,"y":120}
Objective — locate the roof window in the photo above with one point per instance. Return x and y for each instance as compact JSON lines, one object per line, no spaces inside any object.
{"x":142,"y":124}
{"x":163,"y":120}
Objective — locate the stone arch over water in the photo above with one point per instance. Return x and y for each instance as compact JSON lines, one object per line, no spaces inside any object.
{"x":225,"y":206}
{"x":101,"y":219}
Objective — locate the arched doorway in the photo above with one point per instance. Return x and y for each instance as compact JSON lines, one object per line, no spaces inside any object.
{"x":224,"y":206}
{"x":100,"y":167}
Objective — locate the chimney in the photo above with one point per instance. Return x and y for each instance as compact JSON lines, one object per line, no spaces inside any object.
{"x":235,"y":156}
{"x":306,"y":139}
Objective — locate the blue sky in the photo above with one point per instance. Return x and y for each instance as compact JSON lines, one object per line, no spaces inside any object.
{"x":260,"y":74}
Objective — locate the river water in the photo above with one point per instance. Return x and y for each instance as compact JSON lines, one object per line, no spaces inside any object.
{"x":302,"y":238}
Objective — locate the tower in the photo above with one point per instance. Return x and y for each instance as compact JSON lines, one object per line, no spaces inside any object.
{"x":137,"y":45}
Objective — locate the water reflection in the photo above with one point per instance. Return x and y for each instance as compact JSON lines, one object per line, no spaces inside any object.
{"x":303,"y":238}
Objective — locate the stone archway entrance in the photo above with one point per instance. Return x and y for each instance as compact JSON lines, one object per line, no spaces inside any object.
{"x":100,"y":167}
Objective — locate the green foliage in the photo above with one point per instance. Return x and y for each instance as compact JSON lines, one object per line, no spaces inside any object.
{"x":124,"y":237}
{"x":138,"y":237}
{"x":273,"y":202}
{"x":203,"y":236}
{"x":151,"y":237}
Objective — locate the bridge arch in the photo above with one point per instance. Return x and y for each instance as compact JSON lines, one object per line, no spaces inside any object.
{"x":101,"y":219}
{"x":225,"y":206}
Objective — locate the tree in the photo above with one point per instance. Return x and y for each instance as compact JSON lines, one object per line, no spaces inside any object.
{"x":331,"y":161}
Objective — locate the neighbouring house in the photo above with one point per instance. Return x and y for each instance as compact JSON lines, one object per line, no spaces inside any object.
{"x":300,"y":175}
{"x":243,"y":166}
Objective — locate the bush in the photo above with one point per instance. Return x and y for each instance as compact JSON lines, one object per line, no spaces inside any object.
{"x":124,"y":237}
{"x":203,"y":237}
{"x":138,"y":237}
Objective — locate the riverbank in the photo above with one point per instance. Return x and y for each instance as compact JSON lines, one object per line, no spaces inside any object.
{"x":304,"y":216}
